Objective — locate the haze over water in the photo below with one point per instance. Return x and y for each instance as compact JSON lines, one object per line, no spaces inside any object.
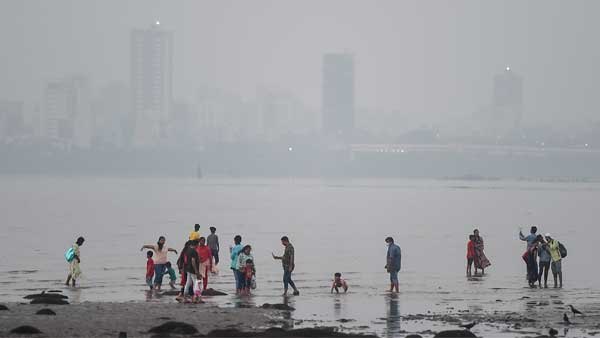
{"x":335,"y":226}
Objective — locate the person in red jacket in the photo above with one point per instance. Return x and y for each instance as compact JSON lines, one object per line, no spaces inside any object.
{"x":470,"y":254}
{"x":150,"y":269}
{"x":206,"y":257}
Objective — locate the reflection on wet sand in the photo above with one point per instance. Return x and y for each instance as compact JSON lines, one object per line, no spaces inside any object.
{"x":287,"y":315}
{"x":392,"y":326}
{"x":337,"y":308}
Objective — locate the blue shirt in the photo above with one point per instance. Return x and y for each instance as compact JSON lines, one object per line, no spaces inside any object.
{"x":530,"y":239}
{"x":544,"y":253}
{"x":394,"y":257}
{"x":234,"y":255}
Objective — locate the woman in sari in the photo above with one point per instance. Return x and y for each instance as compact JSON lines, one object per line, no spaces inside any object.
{"x":74,"y":269}
{"x":481,"y":261}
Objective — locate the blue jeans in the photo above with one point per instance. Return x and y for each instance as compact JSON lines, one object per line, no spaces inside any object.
{"x":287,"y":279}
{"x":394,"y":276}
{"x":239,"y":279}
{"x":159,"y":272}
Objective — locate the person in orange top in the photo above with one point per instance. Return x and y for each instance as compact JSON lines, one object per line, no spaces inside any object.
{"x":470,"y":254}
{"x":205,"y":256}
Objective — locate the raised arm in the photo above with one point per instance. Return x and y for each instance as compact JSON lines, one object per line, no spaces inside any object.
{"x":172,"y":250}
{"x":275,"y":257}
{"x":521,"y":237}
{"x":147,"y":246}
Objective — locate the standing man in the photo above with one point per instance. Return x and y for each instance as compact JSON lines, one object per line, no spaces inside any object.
{"x":213,"y":243}
{"x":235,"y":251}
{"x":556,"y":264}
{"x":195,"y":235}
{"x":192,"y":271}
{"x":393,"y":263}
{"x":288,"y":263}
{"x":529,"y":238}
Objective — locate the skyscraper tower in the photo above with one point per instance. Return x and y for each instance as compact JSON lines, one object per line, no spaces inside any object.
{"x":508,"y":100}
{"x":338,"y":94}
{"x":151,"y":84}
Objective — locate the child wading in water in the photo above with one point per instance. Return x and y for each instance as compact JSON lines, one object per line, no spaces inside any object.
{"x":338,"y":283}
{"x":150,"y":269}
{"x":470,"y":254}
{"x":249,"y":272}
{"x":172,"y":275}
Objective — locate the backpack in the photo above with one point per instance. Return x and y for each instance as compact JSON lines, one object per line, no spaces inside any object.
{"x":70,"y":255}
{"x":562,"y":250}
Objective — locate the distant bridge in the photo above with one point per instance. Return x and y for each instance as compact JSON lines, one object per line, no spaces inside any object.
{"x":467,"y":148}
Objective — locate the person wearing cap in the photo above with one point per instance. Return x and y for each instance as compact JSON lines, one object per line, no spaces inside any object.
{"x":556,"y":264}
{"x":195,"y":235}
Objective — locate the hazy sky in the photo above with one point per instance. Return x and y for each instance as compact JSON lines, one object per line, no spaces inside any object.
{"x":430,"y":60}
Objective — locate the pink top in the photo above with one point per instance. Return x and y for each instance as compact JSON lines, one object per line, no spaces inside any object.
{"x":160,"y":257}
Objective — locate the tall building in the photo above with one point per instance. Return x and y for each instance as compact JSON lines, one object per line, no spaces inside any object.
{"x":67,"y":112}
{"x":151,"y":84}
{"x":112,"y":120}
{"x":12,"y":121}
{"x":338,"y":94}
{"x":507,"y":105}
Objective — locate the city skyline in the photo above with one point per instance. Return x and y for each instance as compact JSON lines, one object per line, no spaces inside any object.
{"x":400,"y":67}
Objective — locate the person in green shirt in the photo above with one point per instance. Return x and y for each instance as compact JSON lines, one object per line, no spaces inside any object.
{"x":172,"y":275}
{"x":556,"y":264}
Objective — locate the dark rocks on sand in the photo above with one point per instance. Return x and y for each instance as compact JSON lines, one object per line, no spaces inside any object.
{"x":49,"y":300}
{"x":25,"y":329}
{"x":174,"y":327}
{"x":122,"y":334}
{"x":284,"y":307}
{"x":45,"y":295}
{"x":454,"y":334}
{"x":414,"y":336}
{"x":47,"y":312}
{"x":3,"y":308}
{"x":344,"y":320}
{"x":213,"y":292}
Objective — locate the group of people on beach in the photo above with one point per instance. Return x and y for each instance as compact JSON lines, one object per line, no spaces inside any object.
{"x":200,"y":256}
{"x":475,"y":254}
{"x":543,"y":253}
{"x":196,"y":261}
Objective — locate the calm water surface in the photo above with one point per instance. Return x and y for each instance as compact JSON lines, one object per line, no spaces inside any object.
{"x":335,"y":226}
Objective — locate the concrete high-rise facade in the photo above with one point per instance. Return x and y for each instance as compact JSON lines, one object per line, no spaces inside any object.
{"x":151,"y":84}
{"x":67,"y":112}
{"x":338,"y":94}
{"x":12,"y":121}
{"x":507,"y":101}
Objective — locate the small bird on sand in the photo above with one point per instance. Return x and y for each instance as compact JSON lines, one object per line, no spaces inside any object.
{"x":575,"y":311}
{"x":566,"y":319}
{"x":552,"y":332}
{"x":469,"y":326}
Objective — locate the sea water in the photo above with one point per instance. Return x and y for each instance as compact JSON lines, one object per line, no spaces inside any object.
{"x":334,"y":225}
